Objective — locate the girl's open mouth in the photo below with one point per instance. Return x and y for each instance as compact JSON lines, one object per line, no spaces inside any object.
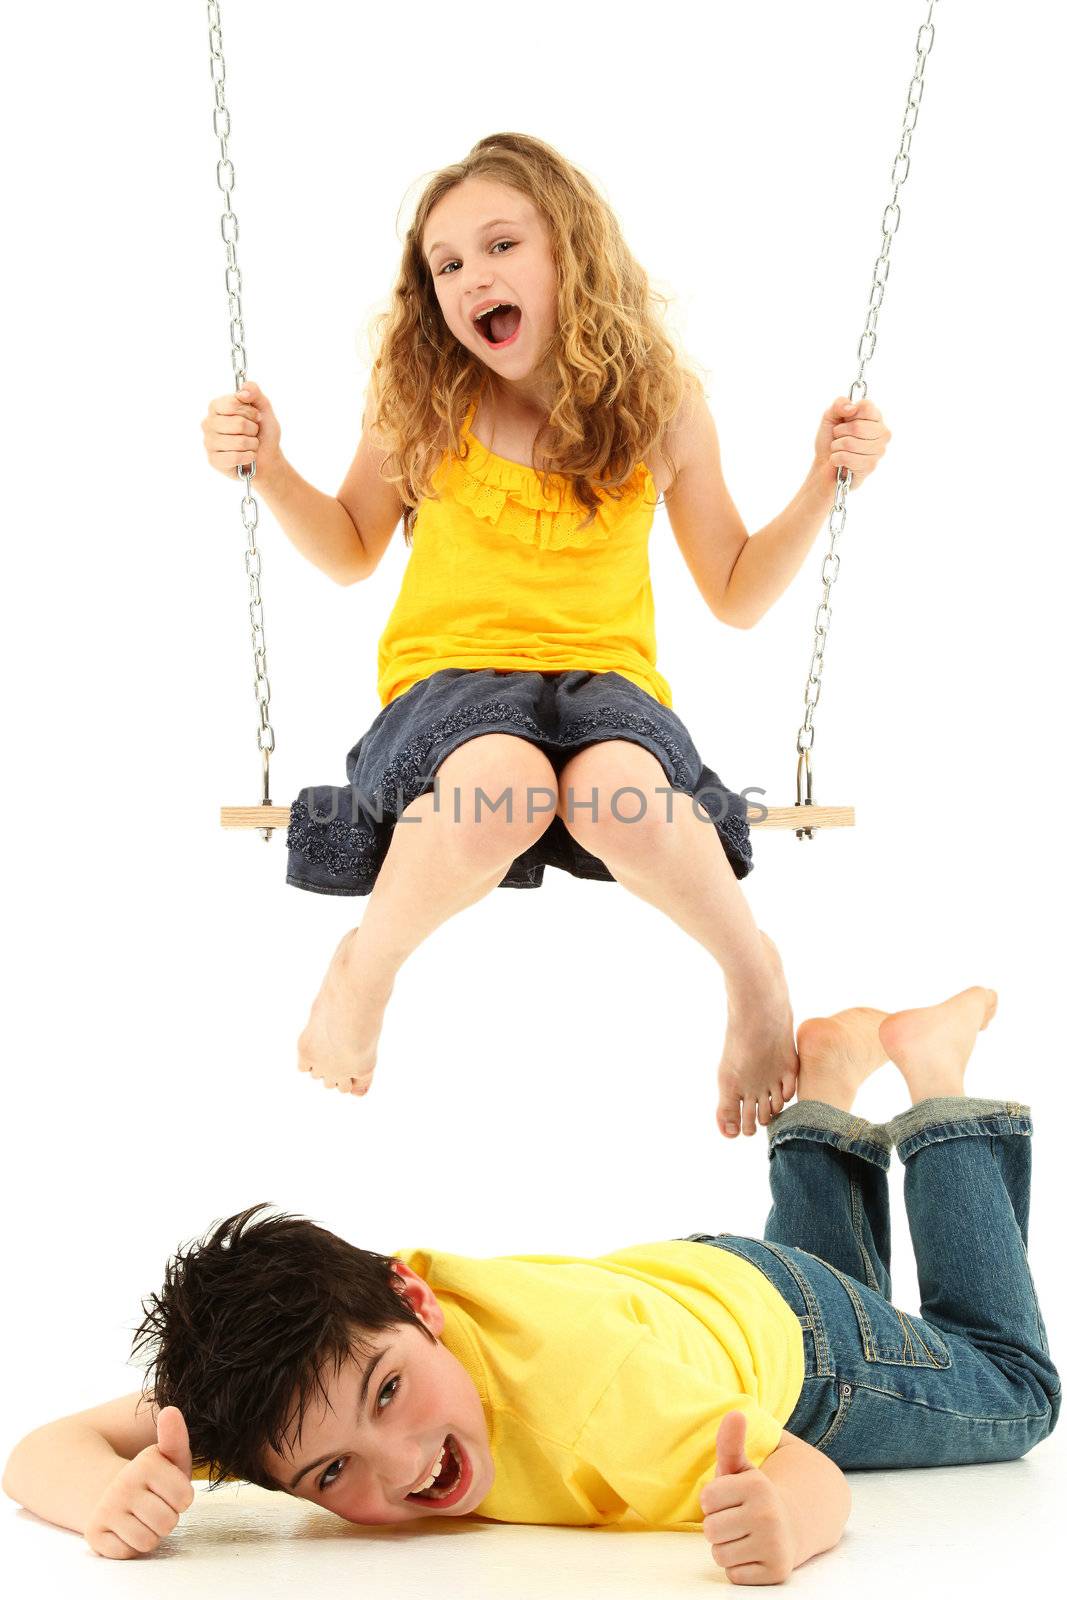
{"x":499,"y":327}
{"x":454,"y":1476}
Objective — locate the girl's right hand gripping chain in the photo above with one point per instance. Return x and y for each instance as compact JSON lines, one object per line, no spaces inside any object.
{"x":242,"y":428}
{"x":143,"y":1502}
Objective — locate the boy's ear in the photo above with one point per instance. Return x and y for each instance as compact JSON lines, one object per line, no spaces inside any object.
{"x":420,"y":1297}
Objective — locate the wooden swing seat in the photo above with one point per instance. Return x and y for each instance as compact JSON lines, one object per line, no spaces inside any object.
{"x":805,"y":816}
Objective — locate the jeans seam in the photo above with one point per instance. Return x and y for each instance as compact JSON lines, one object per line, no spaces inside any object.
{"x":931,"y":1353}
{"x":949,"y":1411}
{"x":818,"y":1331}
{"x":857,"y":1229}
{"x":843,"y":1407}
{"x":1042,"y":1331}
{"x":906,"y":1330}
{"x":863,"y":1321}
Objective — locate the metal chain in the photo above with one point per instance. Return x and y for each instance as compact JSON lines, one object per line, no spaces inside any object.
{"x":838,"y":516}
{"x":249,"y":507}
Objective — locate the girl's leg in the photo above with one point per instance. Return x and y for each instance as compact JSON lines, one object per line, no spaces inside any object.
{"x":828,"y":1168}
{"x":435,"y":866}
{"x":670,"y":858}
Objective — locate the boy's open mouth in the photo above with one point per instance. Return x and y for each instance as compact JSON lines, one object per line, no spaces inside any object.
{"x":450,"y":1477}
{"x":499,"y":325}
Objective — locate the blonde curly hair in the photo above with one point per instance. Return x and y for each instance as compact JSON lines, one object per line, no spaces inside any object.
{"x":620,"y":378}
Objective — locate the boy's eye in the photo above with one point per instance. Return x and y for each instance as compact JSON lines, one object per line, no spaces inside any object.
{"x":444,"y":270}
{"x":386,"y":1394}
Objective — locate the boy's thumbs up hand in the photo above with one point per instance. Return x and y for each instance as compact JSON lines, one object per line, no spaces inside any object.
{"x":746,"y":1520}
{"x":730,"y":1445}
{"x":145,"y":1498}
{"x":172,"y":1437}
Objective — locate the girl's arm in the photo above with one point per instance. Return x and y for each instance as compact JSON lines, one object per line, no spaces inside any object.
{"x":740,"y":575}
{"x":344,"y":535}
{"x":61,"y":1471}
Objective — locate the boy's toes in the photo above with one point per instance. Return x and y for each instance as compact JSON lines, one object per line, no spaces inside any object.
{"x":777,"y":1100}
{"x":748,"y":1115}
{"x":357,"y":1086}
{"x":766,"y":1111}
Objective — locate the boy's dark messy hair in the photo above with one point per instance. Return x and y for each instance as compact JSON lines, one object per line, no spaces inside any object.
{"x":250,"y":1321}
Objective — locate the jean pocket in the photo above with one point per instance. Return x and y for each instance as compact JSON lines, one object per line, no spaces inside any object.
{"x":891,"y":1337}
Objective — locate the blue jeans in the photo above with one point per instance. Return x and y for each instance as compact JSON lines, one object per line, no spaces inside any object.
{"x":970,"y":1379}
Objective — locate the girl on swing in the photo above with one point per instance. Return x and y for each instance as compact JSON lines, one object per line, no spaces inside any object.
{"x":527,"y":410}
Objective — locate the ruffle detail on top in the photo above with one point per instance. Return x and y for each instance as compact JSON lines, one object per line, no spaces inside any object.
{"x":510,"y":496}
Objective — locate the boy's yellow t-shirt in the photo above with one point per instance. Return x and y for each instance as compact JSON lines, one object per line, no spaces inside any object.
{"x":604,"y":1381}
{"x":500,"y":574}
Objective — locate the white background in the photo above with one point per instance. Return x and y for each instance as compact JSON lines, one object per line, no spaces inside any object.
{"x":547,"y":1068}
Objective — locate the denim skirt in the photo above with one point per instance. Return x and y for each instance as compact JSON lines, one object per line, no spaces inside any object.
{"x":338,"y":836}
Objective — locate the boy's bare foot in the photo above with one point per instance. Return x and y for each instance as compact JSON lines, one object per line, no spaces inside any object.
{"x":932,"y":1044}
{"x":758,"y":1070}
{"x":837,"y":1053}
{"x":340,"y":1043}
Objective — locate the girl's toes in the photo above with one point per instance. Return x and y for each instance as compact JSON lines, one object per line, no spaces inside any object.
{"x":765,"y":1112}
{"x":788,"y":1087}
{"x":726,"y":1117}
{"x":748,"y":1115}
{"x":777,"y":1101}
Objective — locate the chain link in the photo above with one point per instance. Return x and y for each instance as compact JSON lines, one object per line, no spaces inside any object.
{"x":831,"y":566}
{"x":224,"y":175}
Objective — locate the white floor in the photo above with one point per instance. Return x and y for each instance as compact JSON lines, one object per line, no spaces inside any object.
{"x":992,"y":1530}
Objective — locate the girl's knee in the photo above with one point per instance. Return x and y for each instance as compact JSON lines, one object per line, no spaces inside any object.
{"x":618,"y":813}
{"x":498,"y":799}
{"x":616,"y":795}
{"x":625,"y":819}
{"x":496,"y":762}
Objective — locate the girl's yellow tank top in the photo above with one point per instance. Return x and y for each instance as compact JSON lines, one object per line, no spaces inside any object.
{"x":500,"y":576}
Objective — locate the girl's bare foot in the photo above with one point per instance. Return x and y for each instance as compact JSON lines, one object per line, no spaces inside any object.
{"x":932,"y":1044}
{"x":837,"y":1053}
{"x":757,"y":1073}
{"x":340,"y":1043}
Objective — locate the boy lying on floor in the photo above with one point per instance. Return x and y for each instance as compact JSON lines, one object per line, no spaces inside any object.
{"x":717,"y":1380}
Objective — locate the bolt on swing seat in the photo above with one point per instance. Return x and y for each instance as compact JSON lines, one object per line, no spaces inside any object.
{"x":804,"y":817}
